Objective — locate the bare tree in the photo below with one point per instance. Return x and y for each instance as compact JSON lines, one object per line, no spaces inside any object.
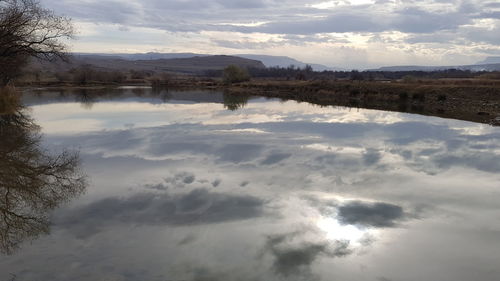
{"x":27,"y":30}
{"x":33,"y":182}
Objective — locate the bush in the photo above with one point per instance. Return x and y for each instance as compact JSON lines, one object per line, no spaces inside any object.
{"x":419,"y":97}
{"x":235,"y":74}
{"x":491,"y":75}
{"x":87,"y":74}
{"x":441,"y":97}
{"x":163,"y":79}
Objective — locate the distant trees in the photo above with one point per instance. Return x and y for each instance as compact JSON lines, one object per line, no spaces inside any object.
{"x":307,"y":73}
{"x":87,"y":74}
{"x":27,"y":30}
{"x":235,"y":74}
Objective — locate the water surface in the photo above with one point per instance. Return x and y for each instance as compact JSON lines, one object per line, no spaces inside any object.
{"x":206,"y":186}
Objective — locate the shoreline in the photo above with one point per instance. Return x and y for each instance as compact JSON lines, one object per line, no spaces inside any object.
{"x":476,"y":101}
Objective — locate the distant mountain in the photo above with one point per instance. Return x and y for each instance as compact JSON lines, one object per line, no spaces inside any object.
{"x":268,"y":61}
{"x":490,"y":60}
{"x":473,"y":67}
{"x":198,"y":64}
{"x":283,"y":61}
{"x":191,"y":65}
{"x":156,"y":56}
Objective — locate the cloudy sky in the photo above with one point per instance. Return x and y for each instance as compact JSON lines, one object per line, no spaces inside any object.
{"x":343,"y":33}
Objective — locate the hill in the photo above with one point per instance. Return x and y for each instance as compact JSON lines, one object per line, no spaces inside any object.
{"x":268,"y":61}
{"x":192,"y":65}
{"x":283,"y":61}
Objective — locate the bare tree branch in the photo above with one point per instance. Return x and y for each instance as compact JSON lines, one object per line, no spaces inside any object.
{"x":28,"y":30}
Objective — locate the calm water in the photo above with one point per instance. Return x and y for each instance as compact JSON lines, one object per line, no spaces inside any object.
{"x":204,"y":186}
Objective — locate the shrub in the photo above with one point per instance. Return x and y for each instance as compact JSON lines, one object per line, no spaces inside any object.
{"x":163,"y":79}
{"x":409,"y":79}
{"x":419,"y":97}
{"x":354,"y":92}
{"x":235,"y":74}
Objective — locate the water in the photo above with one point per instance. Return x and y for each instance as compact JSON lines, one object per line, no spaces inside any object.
{"x":180,"y":187}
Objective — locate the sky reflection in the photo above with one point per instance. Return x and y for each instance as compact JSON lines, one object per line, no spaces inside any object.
{"x":185,"y":189}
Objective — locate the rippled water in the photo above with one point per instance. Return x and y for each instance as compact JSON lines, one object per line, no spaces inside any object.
{"x":205,"y":186}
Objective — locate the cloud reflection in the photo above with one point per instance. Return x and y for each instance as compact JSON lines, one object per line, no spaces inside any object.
{"x":292,"y":256}
{"x":370,"y":214}
{"x":199,"y":206}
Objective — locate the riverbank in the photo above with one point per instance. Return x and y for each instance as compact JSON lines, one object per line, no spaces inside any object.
{"x":464,"y":99}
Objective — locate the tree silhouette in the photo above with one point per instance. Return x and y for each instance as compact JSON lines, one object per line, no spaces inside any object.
{"x":28,"y":30}
{"x":235,"y":74}
{"x":32,"y":182}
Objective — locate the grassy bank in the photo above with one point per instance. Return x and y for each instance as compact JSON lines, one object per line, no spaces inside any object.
{"x":477,"y":101}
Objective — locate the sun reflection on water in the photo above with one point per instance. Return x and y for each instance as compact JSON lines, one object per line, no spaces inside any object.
{"x":339,"y":232}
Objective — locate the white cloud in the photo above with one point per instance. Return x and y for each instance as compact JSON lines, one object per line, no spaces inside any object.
{"x":401,"y":31}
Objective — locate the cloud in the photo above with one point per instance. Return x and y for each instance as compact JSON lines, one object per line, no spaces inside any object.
{"x":198,"y":206}
{"x":245,"y":44}
{"x":238,"y":153}
{"x":275,"y":158}
{"x":221,"y":26}
{"x":294,"y":258}
{"x":371,"y":157}
{"x":370,"y":214}
{"x":339,"y":23}
{"x":180,"y":179}
{"x":486,"y":162}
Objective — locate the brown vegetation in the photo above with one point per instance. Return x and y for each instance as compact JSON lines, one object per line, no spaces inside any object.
{"x":467,"y":100}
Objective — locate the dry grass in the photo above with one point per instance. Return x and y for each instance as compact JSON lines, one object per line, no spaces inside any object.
{"x":476,"y":100}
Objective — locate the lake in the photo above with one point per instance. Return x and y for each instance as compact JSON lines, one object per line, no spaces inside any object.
{"x":169,"y":186}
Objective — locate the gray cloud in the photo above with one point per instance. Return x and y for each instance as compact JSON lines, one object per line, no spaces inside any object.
{"x":238,"y":153}
{"x":244,"y":44}
{"x":344,"y":22}
{"x":371,"y":157}
{"x":486,"y":162}
{"x":294,"y":22}
{"x":417,"y":20}
{"x":370,"y":214}
{"x":275,"y":158}
{"x":180,"y":179}
{"x":295,"y":259}
{"x":284,"y":17}
{"x":199,"y":206}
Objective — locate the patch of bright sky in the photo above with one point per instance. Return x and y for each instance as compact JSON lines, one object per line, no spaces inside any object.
{"x":249,"y":24}
{"x":117,"y":37}
{"x":489,"y":24}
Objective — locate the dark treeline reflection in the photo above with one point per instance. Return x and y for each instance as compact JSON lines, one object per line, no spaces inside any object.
{"x":32,"y":181}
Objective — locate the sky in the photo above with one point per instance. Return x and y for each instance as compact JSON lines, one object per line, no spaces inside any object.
{"x":349,"y":34}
